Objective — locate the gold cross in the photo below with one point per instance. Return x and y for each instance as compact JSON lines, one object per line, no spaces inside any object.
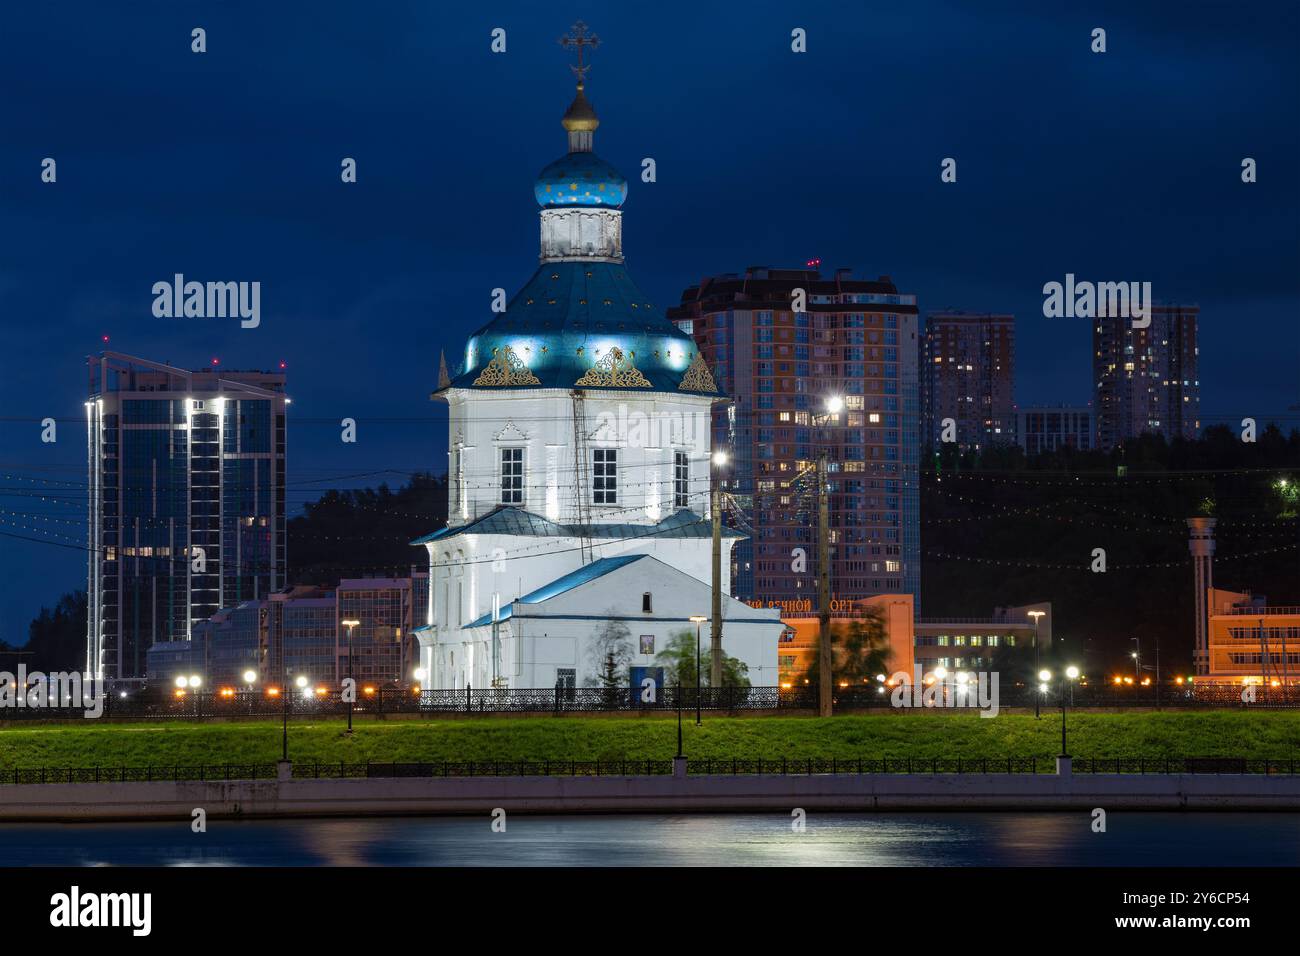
{"x":578,"y":37}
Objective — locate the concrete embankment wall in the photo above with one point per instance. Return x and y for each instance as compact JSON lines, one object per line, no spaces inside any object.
{"x":650,"y":794}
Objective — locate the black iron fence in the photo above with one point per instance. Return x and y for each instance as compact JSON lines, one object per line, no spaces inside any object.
{"x":784,"y":766}
{"x":565,"y":700}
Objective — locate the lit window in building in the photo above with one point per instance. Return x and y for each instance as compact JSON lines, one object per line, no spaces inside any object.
{"x":604,"y":485}
{"x":512,"y":476}
{"x":681,"y":480}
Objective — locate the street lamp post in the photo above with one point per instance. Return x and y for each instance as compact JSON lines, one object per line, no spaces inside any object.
{"x":1157,"y":673}
{"x":679,"y":719}
{"x":719,"y":460}
{"x":1071,"y":673}
{"x":284,"y":711}
{"x":352,"y":684}
{"x":1038,"y":698}
{"x":699,"y":620}
{"x":825,"y":671}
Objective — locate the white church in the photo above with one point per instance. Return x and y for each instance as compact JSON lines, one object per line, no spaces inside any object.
{"x":579,"y":474}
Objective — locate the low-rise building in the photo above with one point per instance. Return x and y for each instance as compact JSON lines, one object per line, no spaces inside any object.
{"x":1054,"y":427}
{"x":797,"y":649}
{"x":299,"y":632}
{"x":1252,"y":642}
{"x":973,"y":643}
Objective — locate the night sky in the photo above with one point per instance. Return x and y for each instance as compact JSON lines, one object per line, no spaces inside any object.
{"x":225,"y":166}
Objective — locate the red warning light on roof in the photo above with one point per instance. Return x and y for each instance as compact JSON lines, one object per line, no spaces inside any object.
{"x":105,"y":338}
{"x":216,"y":361}
{"x":813,"y":263}
{"x":283,"y":365}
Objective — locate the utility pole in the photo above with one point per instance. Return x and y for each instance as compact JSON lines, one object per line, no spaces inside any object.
{"x":825,"y":677}
{"x":715,"y":504}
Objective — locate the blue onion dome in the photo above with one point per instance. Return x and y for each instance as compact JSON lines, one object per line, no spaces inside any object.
{"x":581,"y":322}
{"x":580,"y":179}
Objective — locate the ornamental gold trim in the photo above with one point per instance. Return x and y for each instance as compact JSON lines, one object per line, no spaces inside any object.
{"x":505,"y":370}
{"x":698,"y":378}
{"x":616,"y":370}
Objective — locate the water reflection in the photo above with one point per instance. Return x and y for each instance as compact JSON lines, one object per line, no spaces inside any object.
{"x":934,"y":839}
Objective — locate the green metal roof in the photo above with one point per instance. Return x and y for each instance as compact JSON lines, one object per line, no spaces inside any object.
{"x":510,"y":520}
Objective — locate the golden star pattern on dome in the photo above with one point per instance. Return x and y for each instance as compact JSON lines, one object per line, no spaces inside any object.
{"x":506,"y":369}
{"x":616,"y":370}
{"x":698,"y":378}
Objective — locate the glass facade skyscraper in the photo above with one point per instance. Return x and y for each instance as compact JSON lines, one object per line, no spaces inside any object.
{"x":186,"y":502}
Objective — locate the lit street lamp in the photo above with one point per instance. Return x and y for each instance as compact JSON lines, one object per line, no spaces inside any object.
{"x":715,"y":513}
{"x":698,"y":619}
{"x":833,"y":404}
{"x":1071,"y":673}
{"x":1037,"y":657}
{"x":352,"y":685}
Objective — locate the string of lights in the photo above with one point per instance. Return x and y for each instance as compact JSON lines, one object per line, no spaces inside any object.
{"x":1100,"y":478}
{"x":1086,"y":565}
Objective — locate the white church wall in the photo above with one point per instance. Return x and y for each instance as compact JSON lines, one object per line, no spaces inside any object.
{"x":749,"y":634}
{"x":647,"y":430}
{"x":468,"y":570}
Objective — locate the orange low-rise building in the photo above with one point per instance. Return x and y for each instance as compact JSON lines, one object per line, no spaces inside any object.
{"x":1251,"y":642}
{"x":803,"y":629}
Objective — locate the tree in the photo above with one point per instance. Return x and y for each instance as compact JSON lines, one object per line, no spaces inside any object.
{"x":678,"y":662}
{"x":609,"y":654}
{"x":859,"y":651}
{"x":1014,"y":664}
{"x":56,"y":639}
{"x":360,"y":531}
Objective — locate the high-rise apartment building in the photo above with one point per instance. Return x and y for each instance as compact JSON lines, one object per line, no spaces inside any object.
{"x":855,"y":339}
{"x":186,"y":502}
{"x":1146,"y":379}
{"x":968,"y":375}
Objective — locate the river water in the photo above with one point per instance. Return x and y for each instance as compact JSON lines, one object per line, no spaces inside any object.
{"x":833,"y":839}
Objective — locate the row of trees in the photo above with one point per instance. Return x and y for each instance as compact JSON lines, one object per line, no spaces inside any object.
{"x":1000,"y":529}
{"x":56,"y":639}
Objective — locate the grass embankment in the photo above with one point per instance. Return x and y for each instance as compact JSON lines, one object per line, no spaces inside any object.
{"x":1260,"y":735}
